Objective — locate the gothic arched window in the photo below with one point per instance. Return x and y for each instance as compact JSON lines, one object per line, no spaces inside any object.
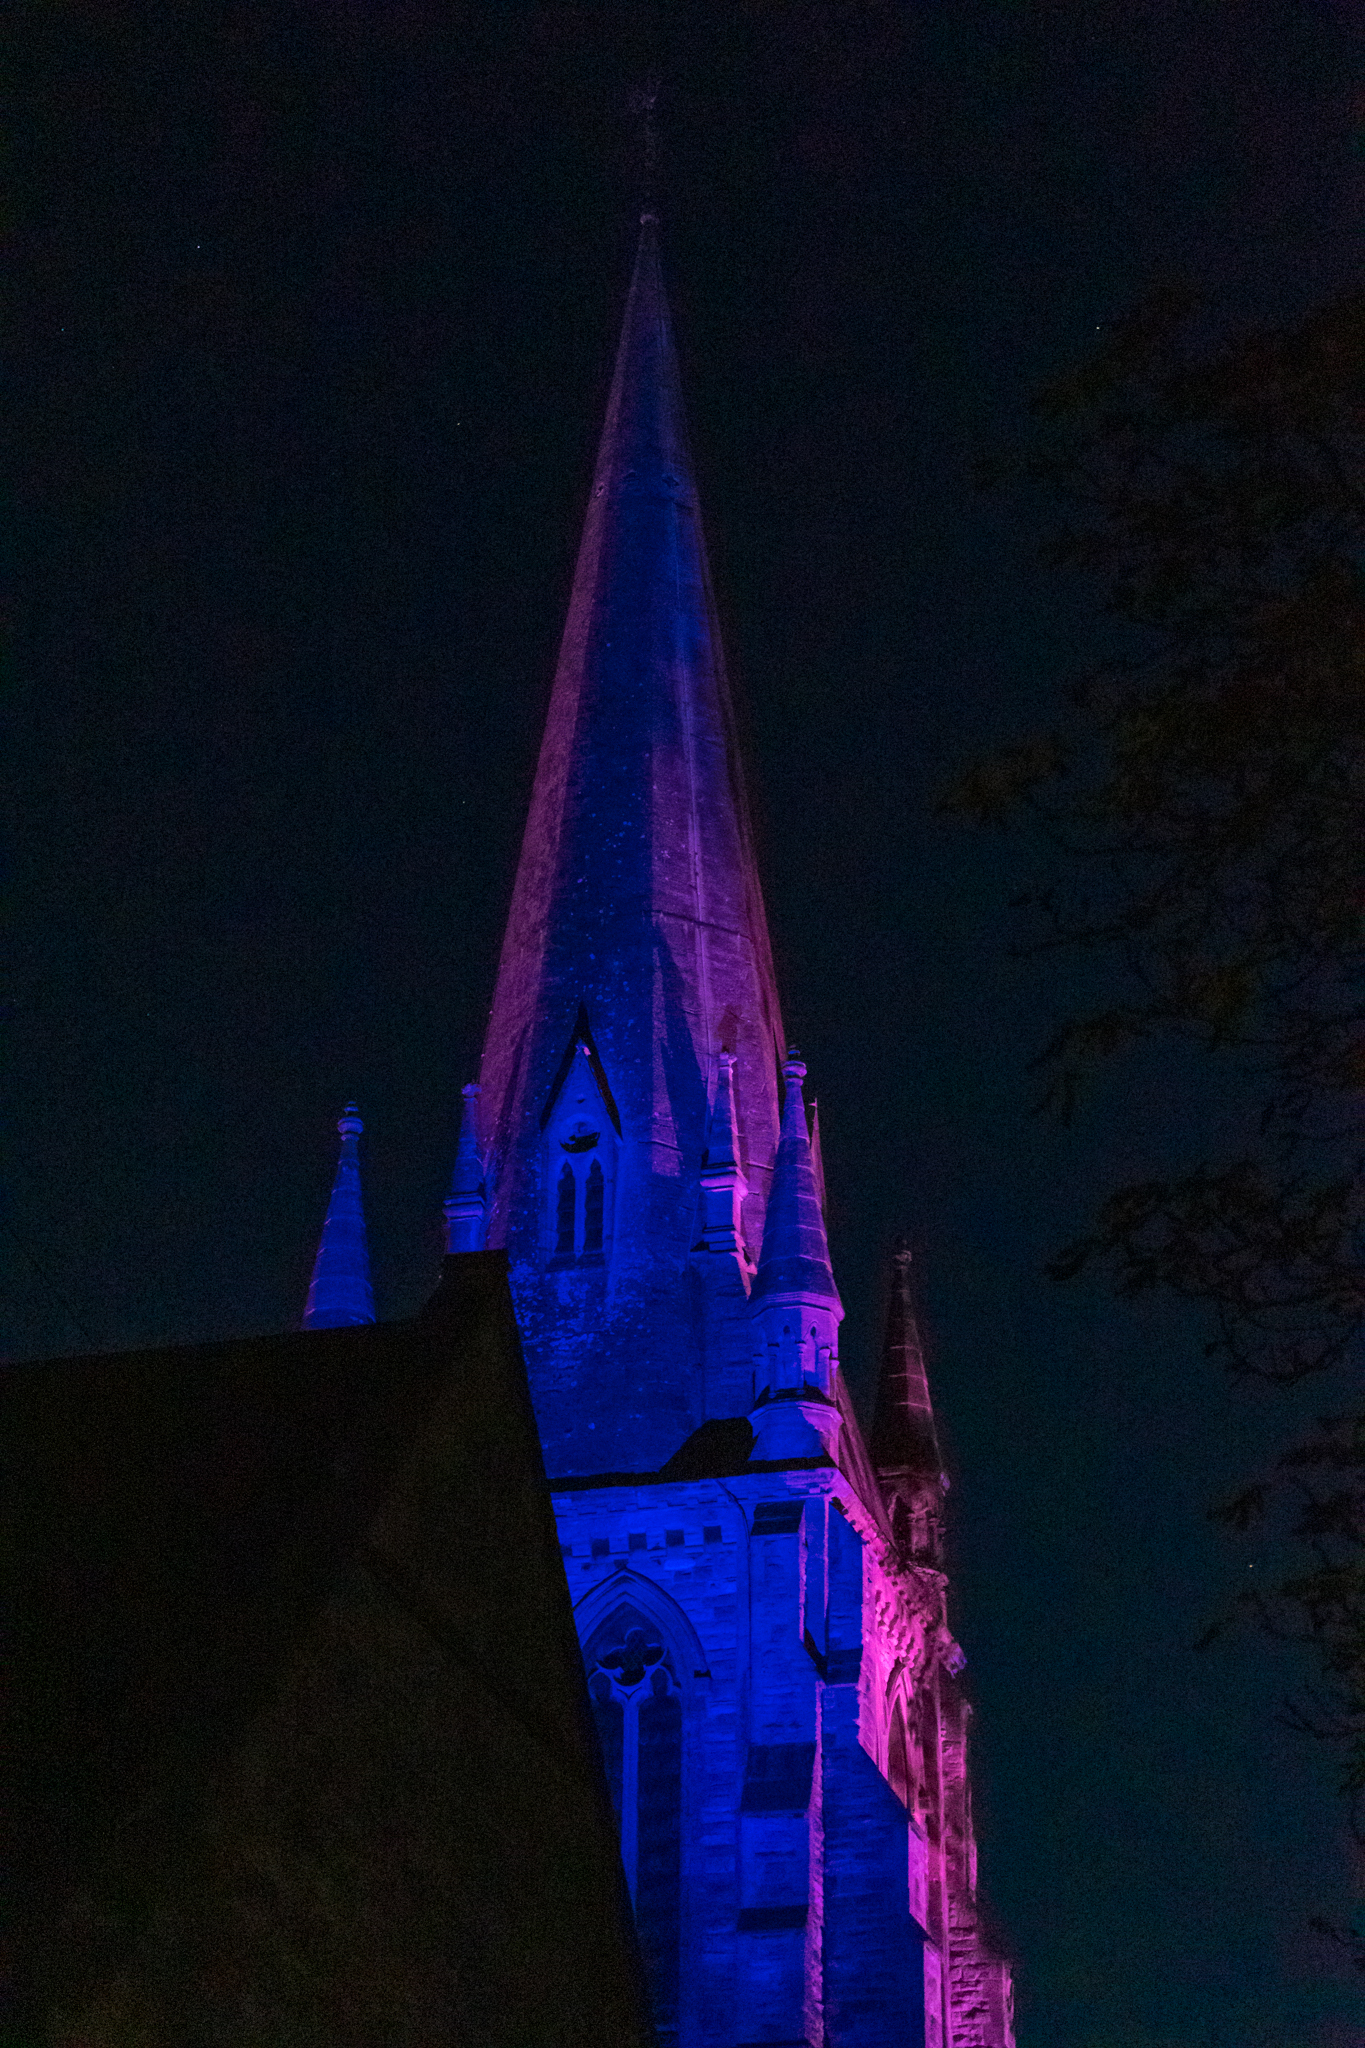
{"x":581,"y":1142}
{"x":898,"y":1763}
{"x":638,"y":1710}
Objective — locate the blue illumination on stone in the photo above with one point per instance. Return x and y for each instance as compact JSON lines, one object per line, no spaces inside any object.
{"x":761,"y":1608}
{"x":340,"y":1293}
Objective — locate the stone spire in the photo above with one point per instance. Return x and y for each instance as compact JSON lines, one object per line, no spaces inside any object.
{"x":794,"y":1303}
{"x":904,"y":1442}
{"x":794,"y":1263}
{"x":636,"y":932}
{"x":903,"y":1435}
{"x":464,"y":1205}
{"x":340,"y":1291}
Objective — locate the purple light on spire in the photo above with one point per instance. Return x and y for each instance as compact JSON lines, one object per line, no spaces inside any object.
{"x":794,"y":1262}
{"x":637,"y":909}
{"x":904,"y":1439}
{"x":340,"y":1293}
{"x":794,"y":1305}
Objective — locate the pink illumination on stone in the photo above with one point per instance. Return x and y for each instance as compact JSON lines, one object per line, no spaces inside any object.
{"x":759,"y":1594}
{"x":637,"y":897}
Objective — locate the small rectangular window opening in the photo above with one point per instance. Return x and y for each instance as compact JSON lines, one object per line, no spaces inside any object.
{"x":673,"y":1538}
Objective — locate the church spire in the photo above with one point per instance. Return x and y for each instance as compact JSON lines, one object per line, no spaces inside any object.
{"x":340,"y":1292}
{"x":904,"y":1442}
{"x":904,"y":1439}
{"x":636,"y":931}
{"x":795,"y":1304}
{"x":794,"y":1263}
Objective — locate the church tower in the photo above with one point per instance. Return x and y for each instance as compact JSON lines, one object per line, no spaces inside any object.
{"x":761,"y":1611}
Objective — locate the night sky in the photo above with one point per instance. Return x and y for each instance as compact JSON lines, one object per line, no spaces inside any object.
{"x":316,"y":309}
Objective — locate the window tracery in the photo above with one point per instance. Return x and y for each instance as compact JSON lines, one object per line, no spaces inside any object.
{"x":637,"y":1705}
{"x":580,"y":1165}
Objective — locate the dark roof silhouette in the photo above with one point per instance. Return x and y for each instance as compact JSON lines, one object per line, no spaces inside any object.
{"x":299,"y":1742}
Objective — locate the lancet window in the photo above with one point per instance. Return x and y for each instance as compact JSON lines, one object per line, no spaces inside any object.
{"x":580,"y":1195}
{"x":637,"y":1706}
{"x":898,"y":1762}
{"x":580,"y":1169}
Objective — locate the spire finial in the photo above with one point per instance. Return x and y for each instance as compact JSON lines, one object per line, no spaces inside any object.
{"x":643,"y":101}
{"x":340,"y":1294}
{"x":465,"y":1207}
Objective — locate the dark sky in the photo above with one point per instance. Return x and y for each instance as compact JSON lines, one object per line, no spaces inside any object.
{"x":316,"y":310}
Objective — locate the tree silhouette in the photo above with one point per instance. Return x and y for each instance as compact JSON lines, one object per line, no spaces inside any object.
{"x":1203,"y":797}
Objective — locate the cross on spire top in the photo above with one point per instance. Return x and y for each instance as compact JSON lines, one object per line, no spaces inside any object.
{"x":644,"y":102}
